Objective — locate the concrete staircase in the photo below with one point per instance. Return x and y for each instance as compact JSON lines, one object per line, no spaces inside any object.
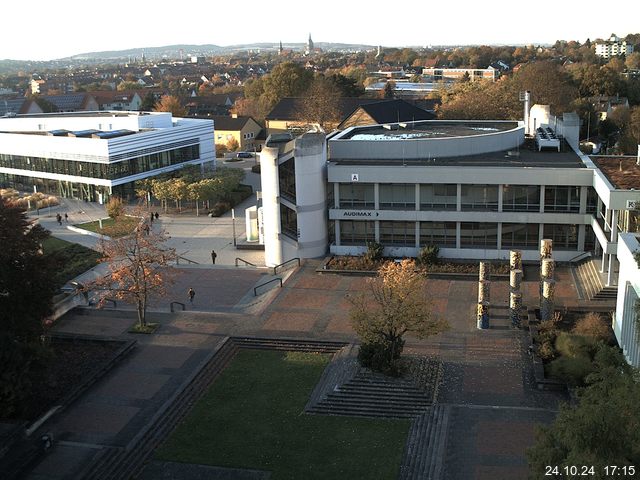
{"x":425,"y":447}
{"x":371,"y":394}
{"x":590,"y":282}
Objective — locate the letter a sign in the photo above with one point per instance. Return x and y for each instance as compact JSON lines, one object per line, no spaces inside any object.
{"x":354,"y":177}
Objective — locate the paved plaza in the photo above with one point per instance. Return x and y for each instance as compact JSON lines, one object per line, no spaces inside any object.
{"x":487,"y":378}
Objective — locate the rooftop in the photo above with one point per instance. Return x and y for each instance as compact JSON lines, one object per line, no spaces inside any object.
{"x":622,"y":172}
{"x":525,"y":156}
{"x":436,"y":129}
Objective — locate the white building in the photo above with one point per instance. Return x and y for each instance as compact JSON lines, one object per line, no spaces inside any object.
{"x":92,"y":155}
{"x":613,"y":48}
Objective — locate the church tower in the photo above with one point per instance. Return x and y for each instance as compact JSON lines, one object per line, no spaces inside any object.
{"x":309,"y":49}
{"x":280,"y":48}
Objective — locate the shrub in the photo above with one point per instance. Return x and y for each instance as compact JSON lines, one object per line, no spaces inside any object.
{"x":592,"y":325}
{"x":374,"y":252}
{"x":546,"y":351}
{"x":381,"y":357}
{"x":255,"y":168}
{"x":115,"y":207}
{"x":220,"y":208}
{"x":428,"y":255}
{"x":574,"y":346}
{"x":571,"y":370}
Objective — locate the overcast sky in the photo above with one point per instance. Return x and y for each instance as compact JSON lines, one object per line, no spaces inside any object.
{"x":44,"y":30}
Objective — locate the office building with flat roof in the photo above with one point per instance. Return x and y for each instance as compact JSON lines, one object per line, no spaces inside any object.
{"x":92,"y":155}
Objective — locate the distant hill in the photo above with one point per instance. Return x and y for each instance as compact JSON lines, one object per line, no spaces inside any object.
{"x":173,"y":51}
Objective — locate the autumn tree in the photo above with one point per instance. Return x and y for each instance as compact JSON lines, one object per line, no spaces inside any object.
{"x":138,"y":266}
{"x":320,"y":103}
{"x":170,"y":103}
{"x":115,"y":207}
{"x":394,"y":303}
{"x":287,"y":79}
{"x":389,"y":90}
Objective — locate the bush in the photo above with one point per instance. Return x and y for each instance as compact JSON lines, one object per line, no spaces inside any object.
{"x":255,"y":168}
{"x":575,"y":346}
{"x":571,"y":370}
{"x":220,"y":208}
{"x":592,"y":325}
{"x":428,"y":255}
{"x":546,"y":351}
{"x":374,"y":252}
{"x":115,"y":207}
{"x":381,"y":357}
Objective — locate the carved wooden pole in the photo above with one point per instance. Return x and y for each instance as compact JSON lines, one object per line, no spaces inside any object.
{"x":483,"y":315}
{"x":515,"y":307}
{"x":548,"y":292}
{"x":484,"y":291}
{"x":515,"y":280}
{"x":515,"y":260}
{"x":485,"y":271}
{"x":546,"y":248}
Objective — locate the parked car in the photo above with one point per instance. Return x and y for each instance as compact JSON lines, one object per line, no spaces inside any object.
{"x":244,"y":155}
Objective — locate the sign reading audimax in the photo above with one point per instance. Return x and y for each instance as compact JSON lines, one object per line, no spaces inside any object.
{"x":359,"y":213}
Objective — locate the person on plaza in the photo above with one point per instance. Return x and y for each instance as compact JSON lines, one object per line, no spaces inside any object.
{"x":191,"y":294}
{"x":157,"y":215}
{"x":147,"y":229}
{"x":151,"y":217}
{"x":213,"y":256}
{"x":59,"y":218}
{"x":66,"y":217}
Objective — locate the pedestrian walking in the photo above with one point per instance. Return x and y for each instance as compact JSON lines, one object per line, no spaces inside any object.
{"x":213,"y":256}
{"x":191,"y":294}
{"x":59,"y":218}
{"x":157,"y":215}
{"x":147,"y":229}
{"x":66,"y":217}
{"x":151,"y":217}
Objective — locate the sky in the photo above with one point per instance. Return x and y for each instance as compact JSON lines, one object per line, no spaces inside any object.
{"x":45,"y":30}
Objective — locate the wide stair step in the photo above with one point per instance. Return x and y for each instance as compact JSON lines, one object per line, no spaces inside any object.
{"x":426,"y":444}
{"x":591,"y":283}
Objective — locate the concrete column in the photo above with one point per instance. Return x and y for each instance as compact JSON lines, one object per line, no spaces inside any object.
{"x":612,"y":267}
{"x":581,"y":237}
{"x":458,"y":233}
{"x":541,"y":202}
{"x":376,"y":196}
{"x":483,"y":315}
{"x":417,"y":197}
{"x":336,"y":230}
{"x":417,"y":239}
{"x":604,"y":260}
{"x":583,"y":200}
{"x":377,"y":230}
{"x":459,"y":199}
{"x":499,"y":235}
{"x":336,"y":195}
{"x":500,"y":192}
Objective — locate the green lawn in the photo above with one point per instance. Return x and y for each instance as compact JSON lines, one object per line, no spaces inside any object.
{"x":115,"y":228}
{"x":252,"y":417}
{"x":69,"y":259}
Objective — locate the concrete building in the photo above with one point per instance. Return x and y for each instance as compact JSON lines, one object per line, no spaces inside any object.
{"x":625,"y":325}
{"x":452,"y":74}
{"x":613,"y":48}
{"x":92,"y":155}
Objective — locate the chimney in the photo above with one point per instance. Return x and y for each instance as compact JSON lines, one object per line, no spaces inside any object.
{"x":527,"y":107}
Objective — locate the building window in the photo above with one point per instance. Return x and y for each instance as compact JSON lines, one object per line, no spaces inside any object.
{"x":438,"y":196}
{"x":354,"y":232}
{"x":520,"y":198}
{"x":480,"y":197}
{"x":592,"y":200}
{"x":287,"y":175}
{"x":565,"y":237}
{"x":398,"y":233}
{"x":478,"y":235}
{"x":398,"y":196}
{"x":288,"y":222}
{"x":520,"y":235}
{"x":357,"y":195}
{"x":442,"y":234}
{"x":561,"y":199}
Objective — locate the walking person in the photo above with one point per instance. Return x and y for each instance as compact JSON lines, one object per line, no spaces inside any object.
{"x":66,"y":217}
{"x":59,"y":218}
{"x":191,"y":294}
{"x":213,"y":256}
{"x":152,"y":217}
{"x":157,"y":215}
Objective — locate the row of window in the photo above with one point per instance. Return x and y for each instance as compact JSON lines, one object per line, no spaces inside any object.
{"x":472,"y":234}
{"x":515,"y":198}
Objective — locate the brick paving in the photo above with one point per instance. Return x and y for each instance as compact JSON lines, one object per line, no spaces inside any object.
{"x":487,"y":374}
